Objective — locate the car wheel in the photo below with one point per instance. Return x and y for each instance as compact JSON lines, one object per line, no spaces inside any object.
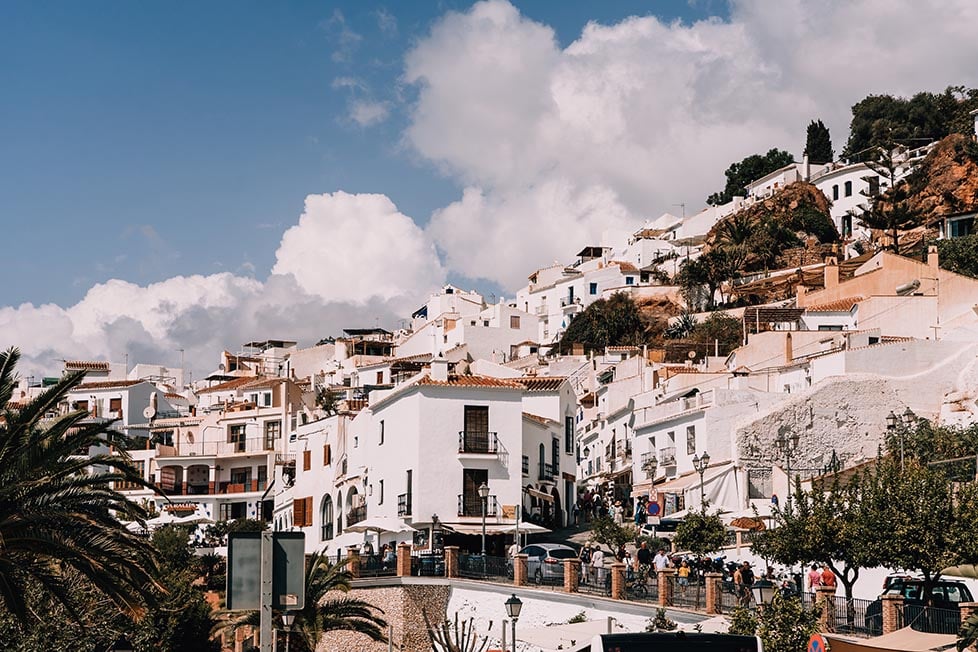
{"x":538,"y":577}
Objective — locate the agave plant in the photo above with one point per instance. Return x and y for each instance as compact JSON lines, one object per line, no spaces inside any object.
{"x":682,"y":327}
{"x":59,"y":510}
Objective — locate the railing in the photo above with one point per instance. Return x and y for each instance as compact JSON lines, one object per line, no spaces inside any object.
{"x":478,"y":442}
{"x":540,"y":310}
{"x":526,"y":465}
{"x":547,"y":472}
{"x":852,"y":617}
{"x":471,"y":505}
{"x":689,"y":594}
{"x":404,"y":504}
{"x":567,"y":302}
{"x":667,"y":455}
{"x":377,"y":565}
{"x":595,"y":580}
{"x":931,"y":619}
{"x":428,"y":564}
{"x":477,"y":567}
{"x":237,"y":446}
{"x":356,"y":514}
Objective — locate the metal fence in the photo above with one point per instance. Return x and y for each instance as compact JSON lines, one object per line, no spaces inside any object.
{"x":428,"y":564}
{"x":931,"y":619}
{"x":687,"y":594}
{"x":595,"y":580}
{"x":850,"y":616}
{"x":731,"y":596}
{"x":485,"y":567}
{"x":377,"y":566}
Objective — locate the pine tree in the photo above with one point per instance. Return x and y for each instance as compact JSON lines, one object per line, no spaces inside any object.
{"x":818,"y":144}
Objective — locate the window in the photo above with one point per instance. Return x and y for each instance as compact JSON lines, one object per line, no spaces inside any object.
{"x":848,"y":188}
{"x":115,"y":405}
{"x":262,"y":477}
{"x":476,"y":418}
{"x":236,"y":437}
{"x":273,"y":430}
{"x":593,"y":288}
{"x":830,"y":327}
{"x":568,"y":434}
{"x":81,"y":405}
{"x":514,"y":321}
{"x":302,"y":512}
{"x":327,"y":455}
{"x":326,"y":518}
{"x":381,"y":442}
{"x":555,"y":454}
{"x":380,"y":378}
{"x":356,"y":441}
{"x":835,"y":192}
{"x":690,"y":440}
{"x":874,"y":186}
{"x":242,"y":476}
{"x":380,"y":492}
{"x":629,"y":280}
{"x":306,"y":460}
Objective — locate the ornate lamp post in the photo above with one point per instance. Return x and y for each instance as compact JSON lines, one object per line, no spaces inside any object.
{"x":701,"y":463}
{"x":483,"y":496}
{"x":513,"y":607}
{"x":901,"y":424}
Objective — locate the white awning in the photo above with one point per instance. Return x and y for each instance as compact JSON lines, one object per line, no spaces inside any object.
{"x":491,"y":528}
{"x":541,"y":495}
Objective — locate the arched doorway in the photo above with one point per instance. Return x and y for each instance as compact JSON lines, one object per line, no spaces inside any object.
{"x":326,"y":518}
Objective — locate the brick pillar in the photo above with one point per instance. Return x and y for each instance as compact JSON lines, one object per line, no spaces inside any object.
{"x":825,"y":598}
{"x":572,"y":574}
{"x":713,"y":593}
{"x":892,"y":612}
{"x":451,"y":561}
{"x":618,"y":581}
{"x":353,"y":561}
{"x":666,"y":577}
{"x":967,"y":608}
{"x":519,"y":570}
{"x":403,"y":559}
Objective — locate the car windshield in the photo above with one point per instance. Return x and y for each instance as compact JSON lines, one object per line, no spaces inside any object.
{"x":561,"y":553}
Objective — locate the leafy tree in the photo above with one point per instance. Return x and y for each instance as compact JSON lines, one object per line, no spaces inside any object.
{"x":959,"y":255}
{"x":605,"y":530}
{"x":59,"y":511}
{"x":606,"y":322}
{"x":783,"y":626}
{"x":720,"y":331}
{"x":749,"y":169}
{"x":327,"y":400}
{"x":326,"y":608}
{"x":818,"y":143}
{"x":700,"y":533}
{"x":709,"y":271}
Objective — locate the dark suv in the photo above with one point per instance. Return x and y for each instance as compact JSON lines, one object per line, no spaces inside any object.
{"x":947,"y":596}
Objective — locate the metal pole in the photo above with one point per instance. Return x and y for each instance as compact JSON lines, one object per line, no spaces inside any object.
{"x":288,"y":636}
{"x":514,"y":634}
{"x":483,"y":527}
{"x":265,"y":602}
{"x":702,"y":493}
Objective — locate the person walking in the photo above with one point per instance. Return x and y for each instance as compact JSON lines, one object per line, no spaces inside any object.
{"x":585,"y":557}
{"x":814,"y":579}
{"x":828,"y":577}
{"x":639,"y":513}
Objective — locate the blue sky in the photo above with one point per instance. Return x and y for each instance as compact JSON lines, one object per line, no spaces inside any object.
{"x":143,"y":140}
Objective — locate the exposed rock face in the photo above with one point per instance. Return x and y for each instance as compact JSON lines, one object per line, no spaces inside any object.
{"x":946,"y":183}
{"x":402,"y":607}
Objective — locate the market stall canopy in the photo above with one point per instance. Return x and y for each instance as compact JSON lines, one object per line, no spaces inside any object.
{"x":380,"y":524}
{"x":749,"y":523}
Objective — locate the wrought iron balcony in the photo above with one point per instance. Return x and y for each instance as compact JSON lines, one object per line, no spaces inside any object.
{"x":356,"y":515}
{"x":404,"y":504}
{"x":547,"y":472}
{"x":471,"y":505}
{"x":486,"y":443}
{"x":667,"y":456}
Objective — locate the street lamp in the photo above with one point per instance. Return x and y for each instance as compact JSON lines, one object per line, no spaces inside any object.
{"x":701,"y":463}
{"x":287,"y":619}
{"x":763,"y":591}
{"x":513,"y":607}
{"x":787,"y":445}
{"x":484,"y":496}
{"x":901,"y":424}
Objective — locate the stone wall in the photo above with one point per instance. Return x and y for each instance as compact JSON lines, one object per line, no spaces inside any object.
{"x":402,"y":607}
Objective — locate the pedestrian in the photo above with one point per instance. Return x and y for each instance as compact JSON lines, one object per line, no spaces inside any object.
{"x":814,"y":578}
{"x":639,"y":513}
{"x":828,"y":577}
{"x":683,"y":574}
{"x":575,"y":509}
{"x":597,"y":564}
{"x":661,"y":561}
{"x":585,"y":557}
{"x":622,"y":553}
{"x":514,"y":549}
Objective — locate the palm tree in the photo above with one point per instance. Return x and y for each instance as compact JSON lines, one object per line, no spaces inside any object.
{"x":325,"y":610}
{"x":58,"y":508}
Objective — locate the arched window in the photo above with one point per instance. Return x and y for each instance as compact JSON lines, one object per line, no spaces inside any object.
{"x":835,"y":192}
{"x":848,"y":188}
{"x":326,"y":518}
{"x":543,"y":461}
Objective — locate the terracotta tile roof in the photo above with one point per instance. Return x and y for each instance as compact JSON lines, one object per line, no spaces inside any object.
{"x":264,"y":383}
{"x":94,"y":365}
{"x":624,"y":266}
{"x":108,"y":384}
{"x":455,"y":380}
{"x":174,"y":395}
{"x":541,"y":420}
{"x":846,"y":304}
{"x":418,"y":357}
{"x":541,"y":383}
{"x":227,"y":386}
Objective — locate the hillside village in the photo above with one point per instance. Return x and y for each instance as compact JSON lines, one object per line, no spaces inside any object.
{"x":827,"y":337}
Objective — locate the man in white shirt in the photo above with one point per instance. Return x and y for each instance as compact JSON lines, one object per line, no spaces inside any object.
{"x":661,"y":561}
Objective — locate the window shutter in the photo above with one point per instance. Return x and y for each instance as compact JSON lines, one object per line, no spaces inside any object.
{"x":326,"y":455}
{"x":299,"y":512}
{"x":306,"y":460}
{"x":308,"y":511}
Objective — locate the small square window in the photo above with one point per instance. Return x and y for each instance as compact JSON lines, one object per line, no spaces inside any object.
{"x":593,"y":288}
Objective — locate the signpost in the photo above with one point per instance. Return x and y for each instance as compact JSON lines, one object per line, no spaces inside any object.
{"x":266,"y":571}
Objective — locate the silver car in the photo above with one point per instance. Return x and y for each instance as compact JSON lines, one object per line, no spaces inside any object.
{"x":545,"y":561}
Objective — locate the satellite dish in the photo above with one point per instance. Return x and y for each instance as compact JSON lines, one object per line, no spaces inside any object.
{"x":220,"y":367}
{"x":149,"y":412}
{"x":691,"y":355}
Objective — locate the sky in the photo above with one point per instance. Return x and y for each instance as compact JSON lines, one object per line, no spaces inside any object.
{"x":194,"y":176}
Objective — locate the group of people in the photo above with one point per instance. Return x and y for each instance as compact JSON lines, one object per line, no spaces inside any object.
{"x":820,"y":577}
{"x":591,"y":505}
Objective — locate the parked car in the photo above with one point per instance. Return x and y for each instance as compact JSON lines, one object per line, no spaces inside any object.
{"x":666,"y":529}
{"x":545,"y":561}
{"x":947,"y":596}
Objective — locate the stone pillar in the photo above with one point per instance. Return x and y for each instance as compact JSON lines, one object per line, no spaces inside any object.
{"x":519,"y":570}
{"x":892,"y":612}
{"x":713,"y":593}
{"x":666,"y":581}
{"x":353,"y":561}
{"x":618,"y":581}
{"x":451,"y":561}
{"x":825,"y":598}
{"x":403,"y":559}
{"x":572,"y":575}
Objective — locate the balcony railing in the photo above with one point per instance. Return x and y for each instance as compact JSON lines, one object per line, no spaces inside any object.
{"x":478,"y":442}
{"x":215,"y":448}
{"x":356,"y":515}
{"x":547,"y":472}
{"x":526,"y":465}
{"x":404,"y":504}
{"x":541,"y":310}
{"x":471,"y":505}
{"x":667,"y":455}
{"x":649,"y":460}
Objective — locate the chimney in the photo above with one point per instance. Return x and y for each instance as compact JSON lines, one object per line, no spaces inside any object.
{"x":788,"y":353}
{"x":439,"y":369}
{"x":806,"y":167}
{"x":932,"y":259}
{"x":831,"y":272}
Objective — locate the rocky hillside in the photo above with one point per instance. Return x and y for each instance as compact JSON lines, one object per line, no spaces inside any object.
{"x":946,"y":183}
